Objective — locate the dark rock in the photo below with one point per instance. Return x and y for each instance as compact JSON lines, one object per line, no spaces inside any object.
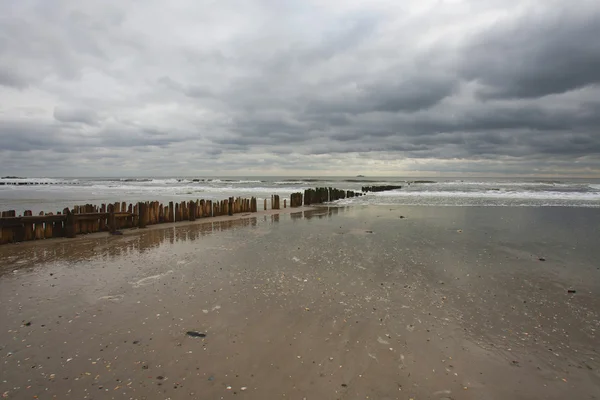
{"x":542,"y":259}
{"x":195,"y":334}
{"x":160,"y":377}
{"x":571,"y":291}
{"x":27,"y":323}
{"x":344,"y":385}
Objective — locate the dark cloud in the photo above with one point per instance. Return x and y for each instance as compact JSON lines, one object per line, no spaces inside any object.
{"x":540,"y":53}
{"x":469,"y":86}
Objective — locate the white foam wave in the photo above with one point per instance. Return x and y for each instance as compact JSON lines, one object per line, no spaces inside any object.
{"x":494,"y":194}
{"x":495,"y":184}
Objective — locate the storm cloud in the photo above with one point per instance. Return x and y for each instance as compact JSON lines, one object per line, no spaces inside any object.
{"x":108,"y":88}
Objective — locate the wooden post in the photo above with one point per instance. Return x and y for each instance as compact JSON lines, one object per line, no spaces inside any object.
{"x":142,"y":215}
{"x":192,"y":216}
{"x":113,"y":227}
{"x":112,"y":221}
{"x":39,"y":228}
{"x":28,"y":227}
{"x":70,"y":224}
{"x":265,"y":204}
{"x":136,"y":215}
{"x":284,"y":203}
{"x":57,"y":229}
{"x":8,"y":234}
{"x":231,"y":206}
{"x":48,"y":229}
{"x":102,"y":223}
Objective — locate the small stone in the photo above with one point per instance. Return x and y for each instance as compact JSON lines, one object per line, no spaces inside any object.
{"x":243,"y":388}
{"x":344,"y":385}
{"x":27,"y":323}
{"x":542,"y":259}
{"x":571,"y":291}
{"x":160,"y":377}
{"x":195,"y":334}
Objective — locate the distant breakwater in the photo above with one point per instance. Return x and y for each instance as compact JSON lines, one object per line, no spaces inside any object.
{"x":89,"y":218}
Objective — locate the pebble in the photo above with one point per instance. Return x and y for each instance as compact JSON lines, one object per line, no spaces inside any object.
{"x":195,"y":334}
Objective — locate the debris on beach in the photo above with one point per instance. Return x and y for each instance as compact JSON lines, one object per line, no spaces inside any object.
{"x":195,"y":334}
{"x":571,"y":291}
{"x":542,"y":259}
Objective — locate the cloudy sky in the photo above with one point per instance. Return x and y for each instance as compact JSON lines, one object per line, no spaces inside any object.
{"x":299,"y":87}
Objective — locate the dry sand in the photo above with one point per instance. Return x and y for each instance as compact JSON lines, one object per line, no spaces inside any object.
{"x":447,"y":303}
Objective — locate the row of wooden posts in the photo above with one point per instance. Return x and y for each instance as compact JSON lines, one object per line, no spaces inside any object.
{"x":113,"y":217}
{"x":324,"y":195}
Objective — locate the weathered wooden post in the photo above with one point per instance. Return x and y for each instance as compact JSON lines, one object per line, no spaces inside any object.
{"x":48,"y":229}
{"x":58,"y":228}
{"x":142,"y":214}
{"x":230,"y":210}
{"x":28,"y":226}
{"x":265,"y":204}
{"x":192,"y":216}
{"x":7,"y":232}
{"x":112,"y":221}
{"x":70,"y":224}
{"x":39,"y":228}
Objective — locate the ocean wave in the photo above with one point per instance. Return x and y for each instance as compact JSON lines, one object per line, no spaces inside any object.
{"x":500,"y":183}
{"x":540,"y":195}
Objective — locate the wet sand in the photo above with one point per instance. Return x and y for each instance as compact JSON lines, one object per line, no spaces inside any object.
{"x":334,"y":303}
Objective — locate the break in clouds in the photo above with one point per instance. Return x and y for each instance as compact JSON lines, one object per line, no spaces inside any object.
{"x":106,"y":87}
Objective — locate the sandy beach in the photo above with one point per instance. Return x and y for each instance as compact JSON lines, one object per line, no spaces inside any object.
{"x":362,"y":302}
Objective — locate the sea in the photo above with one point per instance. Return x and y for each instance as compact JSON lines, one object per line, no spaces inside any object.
{"x":53,"y":194}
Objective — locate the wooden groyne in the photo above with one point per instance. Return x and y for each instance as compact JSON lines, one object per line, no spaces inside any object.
{"x":89,"y":218}
{"x":31,"y":183}
{"x":324,"y":195}
{"x":382,"y":188}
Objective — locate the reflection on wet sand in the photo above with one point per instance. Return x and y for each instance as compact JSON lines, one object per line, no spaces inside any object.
{"x":137,"y":241}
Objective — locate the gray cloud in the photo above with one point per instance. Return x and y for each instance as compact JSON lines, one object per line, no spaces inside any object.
{"x":84,"y":116}
{"x":256,"y":87}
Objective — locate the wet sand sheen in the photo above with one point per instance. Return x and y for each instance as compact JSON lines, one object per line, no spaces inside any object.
{"x":447,"y":303}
